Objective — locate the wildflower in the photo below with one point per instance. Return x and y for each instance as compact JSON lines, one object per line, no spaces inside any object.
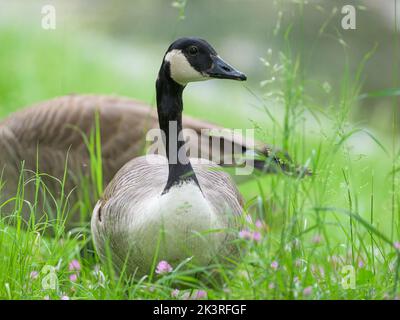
{"x":163,"y":267}
{"x":248,"y":235}
{"x":316,"y":239}
{"x":274,"y":265}
{"x":200,"y":294}
{"x":271,"y":286}
{"x":73,"y":277}
{"x":249,"y":219}
{"x":74,"y":265}
{"x":64,"y":297}
{"x":360,"y":263}
{"x":256,"y":236}
{"x":34,"y":275}
{"x":307,"y":291}
{"x":259,"y":224}
{"x":397,"y":245}
{"x":175,"y":293}
{"x":245,"y":234}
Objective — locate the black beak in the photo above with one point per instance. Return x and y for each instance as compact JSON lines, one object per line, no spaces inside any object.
{"x":221,"y":70}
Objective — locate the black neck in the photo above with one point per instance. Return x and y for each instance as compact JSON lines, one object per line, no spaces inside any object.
{"x":169,"y":108}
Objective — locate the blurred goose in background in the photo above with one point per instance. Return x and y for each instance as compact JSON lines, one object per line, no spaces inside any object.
{"x":43,"y":135}
{"x":175,"y":206}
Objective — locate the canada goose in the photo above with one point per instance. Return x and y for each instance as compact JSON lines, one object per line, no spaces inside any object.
{"x":175,"y":205}
{"x":44,"y":134}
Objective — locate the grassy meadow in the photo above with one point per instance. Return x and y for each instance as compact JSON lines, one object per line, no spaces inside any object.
{"x":333,"y":235}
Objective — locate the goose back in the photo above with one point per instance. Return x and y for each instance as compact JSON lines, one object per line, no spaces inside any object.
{"x":45,"y":135}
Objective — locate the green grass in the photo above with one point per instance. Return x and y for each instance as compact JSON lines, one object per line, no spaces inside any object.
{"x":346,"y":214}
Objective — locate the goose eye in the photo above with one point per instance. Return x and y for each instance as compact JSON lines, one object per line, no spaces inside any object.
{"x":193,"y":50}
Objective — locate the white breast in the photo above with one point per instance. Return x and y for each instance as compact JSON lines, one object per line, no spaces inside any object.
{"x":182,"y":222}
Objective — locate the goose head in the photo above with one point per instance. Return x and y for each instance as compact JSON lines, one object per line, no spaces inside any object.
{"x":193,"y":59}
{"x":186,"y":60}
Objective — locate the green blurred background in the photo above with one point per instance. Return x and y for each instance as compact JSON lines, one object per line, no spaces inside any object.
{"x":115,"y":47}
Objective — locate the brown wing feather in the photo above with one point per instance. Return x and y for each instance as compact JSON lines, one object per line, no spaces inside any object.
{"x":54,"y":128}
{"x":47,"y":132}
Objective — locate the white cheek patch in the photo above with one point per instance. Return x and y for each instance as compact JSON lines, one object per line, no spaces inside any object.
{"x":181,"y":70}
